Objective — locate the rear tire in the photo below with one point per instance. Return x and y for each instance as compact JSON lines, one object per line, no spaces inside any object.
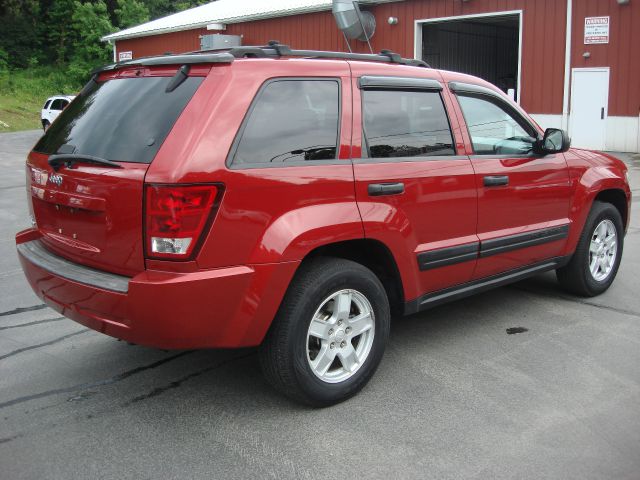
{"x":595,"y":263}
{"x":45,"y":125}
{"x":330,"y":333}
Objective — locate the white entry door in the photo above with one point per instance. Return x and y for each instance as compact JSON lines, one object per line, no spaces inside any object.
{"x":589,"y":107}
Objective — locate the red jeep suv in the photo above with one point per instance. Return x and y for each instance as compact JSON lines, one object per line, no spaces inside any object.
{"x":297,"y":200}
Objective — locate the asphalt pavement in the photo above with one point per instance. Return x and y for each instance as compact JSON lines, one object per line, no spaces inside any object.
{"x":456,"y":396}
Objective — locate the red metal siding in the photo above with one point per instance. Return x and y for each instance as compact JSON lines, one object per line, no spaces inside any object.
{"x":175,"y":42}
{"x":544,"y":23}
{"x":542,"y":52}
{"x":621,"y":54}
{"x":312,"y":31}
{"x":543,"y":33}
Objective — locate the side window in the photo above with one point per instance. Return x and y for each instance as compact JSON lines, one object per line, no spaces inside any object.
{"x":63,"y":104}
{"x":46,"y":105}
{"x":493,"y":129}
{"x":291,"y":120}
{"x":56,"y":104}
{"x":399,"y":123}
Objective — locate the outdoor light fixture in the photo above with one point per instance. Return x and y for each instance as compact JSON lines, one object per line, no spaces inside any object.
{"x":623,"y":2}
{"x":586,"y":55}
{"x":392,"y":20}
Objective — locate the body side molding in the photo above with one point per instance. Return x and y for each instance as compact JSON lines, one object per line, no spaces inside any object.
{"x":523,"y":240}
{"x":443,"y":257}
{"x":448,"y":256}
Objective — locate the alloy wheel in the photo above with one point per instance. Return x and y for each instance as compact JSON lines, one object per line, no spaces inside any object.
{"x":603,"y":250}
{"x":340,"y":336}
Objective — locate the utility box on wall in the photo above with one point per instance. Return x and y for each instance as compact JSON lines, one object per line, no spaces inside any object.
{"x":217,"y":40}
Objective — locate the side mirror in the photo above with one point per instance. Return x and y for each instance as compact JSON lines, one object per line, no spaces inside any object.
{"x":554,"y":141}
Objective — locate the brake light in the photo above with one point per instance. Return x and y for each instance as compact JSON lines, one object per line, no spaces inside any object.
{"x":176,"y":216}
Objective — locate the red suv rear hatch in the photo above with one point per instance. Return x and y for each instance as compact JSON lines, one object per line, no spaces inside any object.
{"x":92,"y":212}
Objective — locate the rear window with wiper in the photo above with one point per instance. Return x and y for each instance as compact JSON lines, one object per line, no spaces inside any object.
{"x":124,"y":119}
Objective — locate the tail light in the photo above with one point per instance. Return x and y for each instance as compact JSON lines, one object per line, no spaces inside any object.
{"x":176,"y":217}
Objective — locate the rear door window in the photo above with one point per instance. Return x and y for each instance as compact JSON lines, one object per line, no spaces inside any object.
{"x":401,"y":123}
{"x":46,"y":105}
{"x":124,"y":119}
{"x":56,"y":104}
{"x":291,"y":120}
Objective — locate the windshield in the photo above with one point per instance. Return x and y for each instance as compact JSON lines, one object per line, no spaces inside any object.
{"x":124,"y":119}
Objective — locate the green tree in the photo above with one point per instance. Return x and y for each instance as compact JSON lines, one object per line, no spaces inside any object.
{"x":19,"y":39}
{"x":18,"y":8}
{"x":62,"y":32}
{"x":159,"y":8}
{"x":131,"y":12}
{"x":4,"y":60}
{"x":21,"y":31}
{"x":59,"y":31}
{"x":91,"y":22}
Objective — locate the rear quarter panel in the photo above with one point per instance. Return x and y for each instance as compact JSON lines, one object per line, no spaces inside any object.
{"x":275,"y":214}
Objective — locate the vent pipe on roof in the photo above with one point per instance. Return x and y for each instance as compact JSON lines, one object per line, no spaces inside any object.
{"x":353,"y":22}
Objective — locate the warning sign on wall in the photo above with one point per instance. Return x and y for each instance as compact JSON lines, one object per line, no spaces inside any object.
{"x":596,"y":30}
{"x":125,"y":56}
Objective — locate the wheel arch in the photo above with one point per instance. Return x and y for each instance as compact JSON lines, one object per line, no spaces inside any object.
{"x":617,"y":198}
{"x":374,"y":255}
{"x":597,"y":184}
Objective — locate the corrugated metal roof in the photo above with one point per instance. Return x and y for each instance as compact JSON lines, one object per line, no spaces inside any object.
{"x":225,"y":11}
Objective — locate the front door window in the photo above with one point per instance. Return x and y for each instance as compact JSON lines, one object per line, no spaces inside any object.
{"x":493,"y":129}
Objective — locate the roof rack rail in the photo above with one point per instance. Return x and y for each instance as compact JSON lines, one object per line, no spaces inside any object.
{"x":273,"y":49}
{"x":276,"y":49}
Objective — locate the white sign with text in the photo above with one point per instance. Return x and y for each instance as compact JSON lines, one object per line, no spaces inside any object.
{"x":596,"y":30}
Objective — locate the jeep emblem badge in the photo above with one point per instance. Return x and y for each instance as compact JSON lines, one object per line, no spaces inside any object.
{"x":55,"y":179}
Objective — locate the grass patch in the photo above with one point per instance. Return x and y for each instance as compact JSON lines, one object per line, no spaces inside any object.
{"x":23,"y":93}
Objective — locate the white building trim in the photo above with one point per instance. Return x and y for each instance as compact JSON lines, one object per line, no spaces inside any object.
{"x":567,"y":69}
{"x":622,"y":133}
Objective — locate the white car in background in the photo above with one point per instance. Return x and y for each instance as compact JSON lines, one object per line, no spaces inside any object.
{"x":52,"y":108}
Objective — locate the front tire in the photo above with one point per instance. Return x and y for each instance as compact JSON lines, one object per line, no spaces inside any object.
{"x":45,"y":125}
{"x":595,"y":263}
{"x":330,"y":333}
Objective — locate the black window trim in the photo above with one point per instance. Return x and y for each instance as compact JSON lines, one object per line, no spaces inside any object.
{"x":295,"y":163}
{"x":365,"y":156}
{"x":379,"y":82}
{"x":426,"y":158}
{"x":482,"y":92}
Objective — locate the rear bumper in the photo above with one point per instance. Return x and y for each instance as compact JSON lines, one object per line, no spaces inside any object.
{"x":222,"y":308}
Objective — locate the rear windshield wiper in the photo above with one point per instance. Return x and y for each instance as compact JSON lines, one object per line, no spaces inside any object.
{"x":68,"y":159}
